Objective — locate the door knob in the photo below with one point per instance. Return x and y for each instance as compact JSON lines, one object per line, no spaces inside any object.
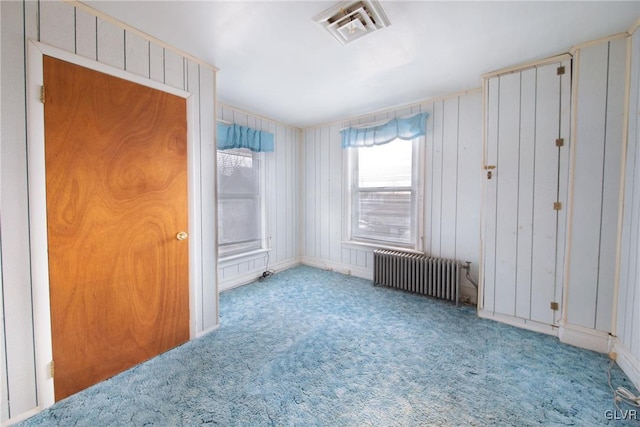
{"x":182,"y":235}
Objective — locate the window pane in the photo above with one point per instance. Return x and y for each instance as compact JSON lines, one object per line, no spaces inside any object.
{"x":238,"y":172}
{"x":387,"y":165}
{"x":238,"y":220}
{"x":239,"y":210}
{"x":384,"y":216}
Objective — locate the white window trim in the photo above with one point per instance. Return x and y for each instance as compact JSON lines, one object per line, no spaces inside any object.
{"x":418,"y":178}
{"x":255,"y":253}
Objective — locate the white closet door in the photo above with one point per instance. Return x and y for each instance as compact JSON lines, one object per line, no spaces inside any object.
{"x":525,"y":175}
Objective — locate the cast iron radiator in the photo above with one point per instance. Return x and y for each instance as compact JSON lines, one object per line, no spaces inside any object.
{"x":421,"y":274}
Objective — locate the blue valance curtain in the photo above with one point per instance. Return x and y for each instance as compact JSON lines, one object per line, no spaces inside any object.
{"x":236,"y":136}
{"x":404,"y":128}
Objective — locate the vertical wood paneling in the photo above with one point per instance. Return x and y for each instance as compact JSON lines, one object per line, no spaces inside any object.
{"x":628,"y":316}
{"x":428,"y":184}
{"x":61,"y":25}
{"x":156,"y":63}
{"x":110,"y":44}
{"x":507,"y":192}
{"x":490,"y":194}
{"x":85,"y":34}
{"x":325,"y":199}
{"x":281,"y":195}
{"x":285,"y":234}
{"x":449,"y":184}
{"x":632,"y":314}
{"x":587,"y":201}
{"x":4,"y":393}
{"x":526,"y":167}
{"x":16,"y":279}
{"x":469,"y":181}
{"x":173,"y":69}
{"x":545,"y":193}
{"x":317,"y":150}
{"x":57,"y":25}
{"x":136,"y":54}
{"x":611,"y":182}
{"x":310,"y":186}
{"x":436,"y":179}
{"x":335,"y":192}
{"x":294,"y":185}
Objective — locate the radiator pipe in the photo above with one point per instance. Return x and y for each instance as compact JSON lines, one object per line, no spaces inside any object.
{"x":467,"y":266}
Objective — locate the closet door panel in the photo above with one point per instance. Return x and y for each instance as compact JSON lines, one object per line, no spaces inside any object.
{"x":545,"y":194}
{"x":526,"y":163}
{"x":489,"y":209}
{"x":507,"y":192}
{"x":524,"y":118}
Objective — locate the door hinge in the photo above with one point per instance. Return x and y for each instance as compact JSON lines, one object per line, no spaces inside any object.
{"x":52,"y":368}
{"x":560,"y":142}
{"x":557,"y":206}
{"x":42,"y":94}
{"x":561,"y":70}
{"x":555,"y":306}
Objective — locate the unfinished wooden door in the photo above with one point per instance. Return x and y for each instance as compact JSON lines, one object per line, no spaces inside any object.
{"x":116,"y":182}
{"x":525,"y":186}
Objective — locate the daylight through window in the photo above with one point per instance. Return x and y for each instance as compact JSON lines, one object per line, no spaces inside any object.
{"x":239,"y":201}
{"x":384,"y":192}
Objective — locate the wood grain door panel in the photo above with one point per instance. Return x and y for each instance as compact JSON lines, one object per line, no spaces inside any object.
{"x":116,"y":181}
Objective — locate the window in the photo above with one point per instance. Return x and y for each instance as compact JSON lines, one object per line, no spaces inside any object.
{"x":240,"y":192}
{"x":384,"y":194}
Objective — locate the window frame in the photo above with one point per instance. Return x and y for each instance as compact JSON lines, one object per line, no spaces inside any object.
{"x":350,"y":168}
{"x":262,"y":200}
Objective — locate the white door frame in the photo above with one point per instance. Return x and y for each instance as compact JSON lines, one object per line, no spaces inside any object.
{"x":38,"y":202}
{"x":561,"y":233}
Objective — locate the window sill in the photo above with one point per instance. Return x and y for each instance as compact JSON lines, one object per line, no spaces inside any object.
{"x":252,"y":254}
{"x":353,"y":244}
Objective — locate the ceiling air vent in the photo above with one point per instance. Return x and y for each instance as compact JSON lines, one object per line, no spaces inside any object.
{"x":348,"y":20}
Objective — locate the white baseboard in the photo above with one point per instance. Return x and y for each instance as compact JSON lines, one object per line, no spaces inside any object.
{"x":206,"y":331}
{"x":530,"y":325}
{"x":582,"y":337}
{"x":338,"y":267}
{"x":628,"y":362}
{"x":252,"y":276}
{"x":18,"y":418}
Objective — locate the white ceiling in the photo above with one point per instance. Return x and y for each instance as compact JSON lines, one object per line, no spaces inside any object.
{"x":275,"y":61}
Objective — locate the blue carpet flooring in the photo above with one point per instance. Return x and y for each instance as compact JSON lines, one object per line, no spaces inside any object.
{"x":308,"y":347}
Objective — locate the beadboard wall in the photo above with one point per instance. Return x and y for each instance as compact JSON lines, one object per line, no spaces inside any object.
{"x":596,"y":161}
{"x":74,"y":28}
{"x":305,"y":174}
{"x":599,"y":111}
{"x":452,"y":188}
{"x":628,"y":304}
{"x":282,"y":203}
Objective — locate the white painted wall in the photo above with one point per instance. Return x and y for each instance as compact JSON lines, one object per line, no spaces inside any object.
{"x":600,"y":78}
{"x":305,"y":184}
{"x":282,"y":202}
{"x":628,"y":304}
{"x":452,"y":188}
{"x":75,"y":30}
